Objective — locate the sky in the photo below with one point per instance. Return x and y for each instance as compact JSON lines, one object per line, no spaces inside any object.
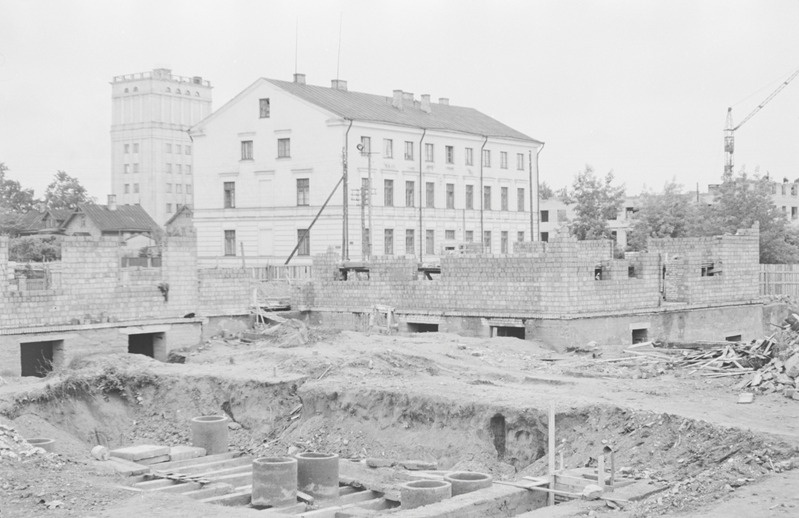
{"x":637,"y":87}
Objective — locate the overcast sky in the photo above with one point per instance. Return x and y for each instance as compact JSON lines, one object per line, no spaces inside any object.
{"x":637,"y":87}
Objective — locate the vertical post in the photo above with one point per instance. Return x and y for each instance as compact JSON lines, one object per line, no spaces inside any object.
{"x":369,"y":188}
{"x":241,"y":246}
{"x":551,"y":455}
{"x":600,"y":471}
{"x":345,"y":238}
{"x":363,"y":223}
{"x":533,"y":192}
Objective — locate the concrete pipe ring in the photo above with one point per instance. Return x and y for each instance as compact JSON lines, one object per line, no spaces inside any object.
{"x":468,"y":481}
{"x":44,"y":443}
{"x":317,"y":474}
{"x":210,"y":432}
{"x":274,"y":481}
{"x":424,"y":492}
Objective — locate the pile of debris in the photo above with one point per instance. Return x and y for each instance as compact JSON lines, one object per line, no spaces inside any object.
{"x":282,"y":331}
{"x":13,"y":446}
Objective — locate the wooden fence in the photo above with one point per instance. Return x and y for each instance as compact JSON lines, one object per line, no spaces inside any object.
{"x":281,"y":273}
{"x":779,"y":279}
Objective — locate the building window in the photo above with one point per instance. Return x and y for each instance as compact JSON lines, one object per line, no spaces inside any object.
{"x":188,"y":188}
{"x":409,"y":241}
{"x":169,"y":208}
{"x":135,"y":147}
{"x":127,"y":148}
{"x":487,"y":241}
{"x":545,"y":236}
{"x":180,"y":168}
{"x":449,"y":235}
{"x":486,"y":198}
{"x":177,"y":149}
{"x":469,"y":204}
{"x":263,"y":108}
{"x":388,"y":193}
{"x":409,"y":194}
{"x":127,"y":188}
{"x":503,"y":242}
{"x":304,"y":239}
{"x":388,"y":241}
{"x":187,"y":150}
{"x":544,"y":216}
{"x":388,"y":148}
{"x":168,"y":147}
{"x":430,"y":195}
{"x":169,"y":168}
{"x":450,"y":154}
{"x":188,"y":169}
{"x":503,"y":159}
{"x":486,"y":158}
{"x":303,"y":191}
{"x":230,"y":242}
{"x":520,"y":236}
{"x":430,"y":242}
{"x":135,"y":168}
{"x":230,"y":195}
{"x":408,"y":150}
{"x":562,"y":217}
{"x":126,"y":168}
{"x":450,"y":195}
{"x":283,"y":147}
{"x":246,"y":149}
{"x":520,"y":199}
{"x":520,"y":161}
{"x":366,"y":145}
{"x":503,"y":198}
{"x":794,"y":212}
{"x":469,"y":156}
{"x":169,"y":187}
{"x":468,"y":236}
{"x":179,"y":188}
{"x":429,"y":153}
{"x":135,"y":188}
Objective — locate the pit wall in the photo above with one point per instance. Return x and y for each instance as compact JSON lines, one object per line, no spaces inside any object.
{"x":563,"y":277}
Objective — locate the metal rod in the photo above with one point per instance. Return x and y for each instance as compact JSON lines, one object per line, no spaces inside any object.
{"x":308,"y":230}
{"x":551,"y":454}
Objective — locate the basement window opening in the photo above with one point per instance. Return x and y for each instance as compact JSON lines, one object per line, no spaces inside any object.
{"x":710,"y":270}
{"x":40,"y":358}
{"x":639,"y":335}
{"x":147,"y":344}
{"x":515,"y":332}
{"x":414,"y":327}
{"x":733,"y":338}
{"x":601,"y":273}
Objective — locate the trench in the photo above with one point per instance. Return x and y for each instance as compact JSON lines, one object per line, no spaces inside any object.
{"x":117,"y":410}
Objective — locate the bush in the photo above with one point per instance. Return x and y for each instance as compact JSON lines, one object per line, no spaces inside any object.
{"x":34,"y":249}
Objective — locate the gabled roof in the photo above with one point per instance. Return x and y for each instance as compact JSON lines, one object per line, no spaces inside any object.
{"x":376,"y":108}
{"x":34,"y":221}
{"x":184,"y":209}
{"x":126,"y":218}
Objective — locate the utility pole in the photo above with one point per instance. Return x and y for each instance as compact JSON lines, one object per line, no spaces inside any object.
{"x":345,"y":238}
{"x":369,"y":188}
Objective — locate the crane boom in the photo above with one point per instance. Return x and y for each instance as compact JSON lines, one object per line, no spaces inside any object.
{"x":729,"y":130}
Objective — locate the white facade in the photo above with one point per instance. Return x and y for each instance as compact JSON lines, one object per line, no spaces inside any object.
{"x":151,"y":150}
{"x":271,"y":204}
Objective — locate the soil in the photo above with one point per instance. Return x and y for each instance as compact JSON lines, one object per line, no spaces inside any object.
{"x":463,"y":403}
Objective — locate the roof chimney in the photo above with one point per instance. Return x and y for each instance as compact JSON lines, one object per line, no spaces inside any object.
{"x":112,"y":202}
{"x":397,"y":102}
{"x":407,"y":96}
{"x":443,"y":100}
{"x":426,"y":103}
{"x":338,"y":84}
{"x":299,"y":79}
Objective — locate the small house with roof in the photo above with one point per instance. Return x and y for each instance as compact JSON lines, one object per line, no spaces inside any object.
{"x":421,"y":176}
{"x":129,"y":223}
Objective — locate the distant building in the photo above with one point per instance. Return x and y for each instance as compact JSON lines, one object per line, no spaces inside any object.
{"x":556,"y":215}
{"x":48,"y":221}
{"x":440,"y":174}
{"x":151,"y":151}
{"x":784,"y":194}
{"x":121,"y":221}
{"x":181,"y":223}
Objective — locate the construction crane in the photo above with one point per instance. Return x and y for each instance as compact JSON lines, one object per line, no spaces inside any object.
{"x":729,"y":130}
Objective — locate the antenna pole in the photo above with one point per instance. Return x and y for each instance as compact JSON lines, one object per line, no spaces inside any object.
{"x":338,"y":58}
{"x":296,"y":42}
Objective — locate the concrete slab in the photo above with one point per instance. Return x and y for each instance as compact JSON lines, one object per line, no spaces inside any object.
{"x":497,"y":500}
{"x":154,"y":460}
{"x":126,"y":467}
{"x":178,"y":453}
{"x":142,"y":451}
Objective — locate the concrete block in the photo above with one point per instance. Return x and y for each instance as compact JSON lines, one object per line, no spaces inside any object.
{"x":143,"y":451}
{"x":126,"y":467}
{"x":185,"y":452}
{"x":154,"y":460}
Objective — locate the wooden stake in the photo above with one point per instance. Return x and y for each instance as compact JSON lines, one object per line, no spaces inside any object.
{"x":600,"y":472}
{"x":551,"y":428}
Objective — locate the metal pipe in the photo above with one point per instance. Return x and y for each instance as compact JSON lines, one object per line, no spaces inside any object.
{"x":421,"y":200}
{"x":308,"y":230}
{"x":535,"y":235}
{"x":482,"y":195}
{"x":345,"y":231}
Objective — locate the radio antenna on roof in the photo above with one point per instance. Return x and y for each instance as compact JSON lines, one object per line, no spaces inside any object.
{"x":338,"y":58}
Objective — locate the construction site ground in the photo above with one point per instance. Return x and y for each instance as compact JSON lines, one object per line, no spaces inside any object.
{"x":465,"y":403}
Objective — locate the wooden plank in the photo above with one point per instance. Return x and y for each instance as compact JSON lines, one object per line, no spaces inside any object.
{"x":198,"y":460}
{"x":551,"y":453}
{"x":213,"y":475}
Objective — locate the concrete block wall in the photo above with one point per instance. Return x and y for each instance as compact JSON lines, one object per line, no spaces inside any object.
{"x":224,"y":291}
{"x":179,"y":264}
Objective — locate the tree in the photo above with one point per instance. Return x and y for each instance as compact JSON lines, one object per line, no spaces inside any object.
{"x":35,"y":249}
{"x":545,"y":192}
{"x":12,"y":196}
{"x":64,"y":192}
{"x":739,"y":203}
{"x":596,"y":201}
{"x":666,"y":214}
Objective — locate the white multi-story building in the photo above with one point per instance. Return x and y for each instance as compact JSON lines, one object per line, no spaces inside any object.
{"x":267,"y":161}
{"x":151,"y":150}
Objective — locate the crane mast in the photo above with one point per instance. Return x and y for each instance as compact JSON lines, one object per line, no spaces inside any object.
{"x":730,"y":127}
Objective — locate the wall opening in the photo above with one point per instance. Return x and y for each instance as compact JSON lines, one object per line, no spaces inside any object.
{"x":40,"y":358}
{"x":733,"y":338}
{"x":515,"y":332}
{"x":640,"y":335}
{"x":414,"y":327}
{"x":148,"y":344}
{"x":498,"y":432}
